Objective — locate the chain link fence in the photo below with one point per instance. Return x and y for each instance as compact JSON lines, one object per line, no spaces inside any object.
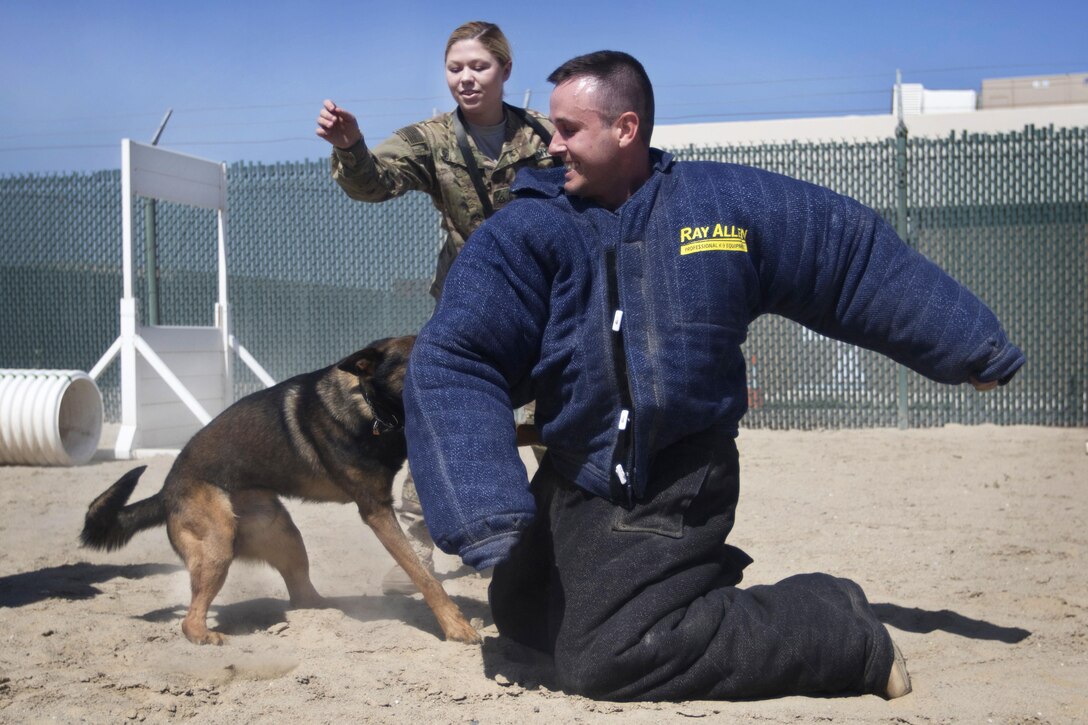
{"x":313,"y":275}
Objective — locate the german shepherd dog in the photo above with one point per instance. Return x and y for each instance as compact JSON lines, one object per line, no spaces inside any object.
{"x":330,"y":435}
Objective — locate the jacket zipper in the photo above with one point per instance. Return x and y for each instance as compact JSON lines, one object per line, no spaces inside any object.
{"x":621,"y":476}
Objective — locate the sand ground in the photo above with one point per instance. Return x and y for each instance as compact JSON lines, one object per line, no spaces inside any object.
{"x":971,"y":542}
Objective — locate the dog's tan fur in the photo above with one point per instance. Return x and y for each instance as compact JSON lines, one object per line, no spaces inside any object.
{"x":313,"y":437}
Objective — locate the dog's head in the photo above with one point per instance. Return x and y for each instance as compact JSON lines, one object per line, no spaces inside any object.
{"x":380,"y":369}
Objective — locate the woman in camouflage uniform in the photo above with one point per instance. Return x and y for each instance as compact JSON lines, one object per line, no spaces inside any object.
{"x":465,"y":160}
{"x":427,"y":156}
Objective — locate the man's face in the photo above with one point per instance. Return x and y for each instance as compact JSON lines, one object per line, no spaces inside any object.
{"x":587,"y":144}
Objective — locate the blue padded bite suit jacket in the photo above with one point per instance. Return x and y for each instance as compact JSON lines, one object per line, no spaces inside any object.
{"x":626,"y":328}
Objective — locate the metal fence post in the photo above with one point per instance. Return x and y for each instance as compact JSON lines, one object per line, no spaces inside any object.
{"x":903,"y":229}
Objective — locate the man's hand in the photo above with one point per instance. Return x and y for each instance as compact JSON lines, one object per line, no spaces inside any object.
{"x":337,"y":126}
{"x":981,"y":386}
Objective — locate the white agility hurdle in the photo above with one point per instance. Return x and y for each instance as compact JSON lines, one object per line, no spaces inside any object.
{"x":173,"y":379}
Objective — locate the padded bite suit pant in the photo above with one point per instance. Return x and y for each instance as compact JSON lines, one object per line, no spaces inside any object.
{"x":641,"y":604}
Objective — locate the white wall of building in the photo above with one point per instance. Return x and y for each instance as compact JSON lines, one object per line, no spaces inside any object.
{"x":859,"y":128}
{"x":918,"y":99}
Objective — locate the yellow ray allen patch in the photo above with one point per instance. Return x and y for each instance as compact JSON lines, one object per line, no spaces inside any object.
{"x":719,"y":238}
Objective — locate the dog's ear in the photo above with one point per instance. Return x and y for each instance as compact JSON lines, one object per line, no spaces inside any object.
{"x":363,"y":363}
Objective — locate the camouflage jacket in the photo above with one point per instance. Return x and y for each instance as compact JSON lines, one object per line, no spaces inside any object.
{"x":425,"y":157}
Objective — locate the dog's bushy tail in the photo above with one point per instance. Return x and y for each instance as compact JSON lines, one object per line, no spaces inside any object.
{"x":110,"y":523}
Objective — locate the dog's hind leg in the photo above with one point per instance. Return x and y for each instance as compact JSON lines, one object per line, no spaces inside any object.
{"x":202,"y":530}
{"x":266,"y":532}
{"x":383,"y":522}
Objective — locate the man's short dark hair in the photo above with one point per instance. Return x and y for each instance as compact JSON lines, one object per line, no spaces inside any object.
{"x":624,"y":82}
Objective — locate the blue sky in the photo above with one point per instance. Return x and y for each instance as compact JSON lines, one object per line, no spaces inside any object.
{"x":245,"y":79}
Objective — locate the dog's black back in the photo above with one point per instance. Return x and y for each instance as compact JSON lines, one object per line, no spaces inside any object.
{"x":340,"y":424}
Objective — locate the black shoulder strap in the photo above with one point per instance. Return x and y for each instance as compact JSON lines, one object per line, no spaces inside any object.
{"x":536,"y":125}
{"x":470,"y":164}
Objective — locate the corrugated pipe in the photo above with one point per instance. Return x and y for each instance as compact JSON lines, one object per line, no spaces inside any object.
{"x":49,"y":417}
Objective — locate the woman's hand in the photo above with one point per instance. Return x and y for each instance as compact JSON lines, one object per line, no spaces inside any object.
{"x":338,"y":126}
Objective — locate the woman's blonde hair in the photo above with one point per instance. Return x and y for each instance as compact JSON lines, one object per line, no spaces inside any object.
{"x":489,"y":35}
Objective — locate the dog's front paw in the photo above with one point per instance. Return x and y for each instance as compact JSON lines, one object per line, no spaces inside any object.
{"x":461,"y":631}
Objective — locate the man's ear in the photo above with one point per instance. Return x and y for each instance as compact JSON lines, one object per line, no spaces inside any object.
{"x":627,"y":127}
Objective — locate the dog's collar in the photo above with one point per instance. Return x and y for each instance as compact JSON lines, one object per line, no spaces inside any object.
{"x":382,"y":418}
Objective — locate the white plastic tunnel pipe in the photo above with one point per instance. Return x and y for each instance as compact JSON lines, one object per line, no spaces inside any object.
{"x":49,"y":417}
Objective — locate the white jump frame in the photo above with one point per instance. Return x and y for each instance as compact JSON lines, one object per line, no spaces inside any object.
{"x":157,"y":173}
